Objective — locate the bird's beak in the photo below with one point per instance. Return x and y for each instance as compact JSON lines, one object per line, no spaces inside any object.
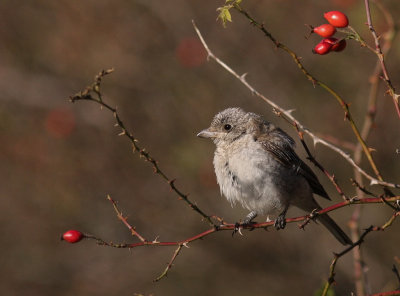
{"x":207,"y":134}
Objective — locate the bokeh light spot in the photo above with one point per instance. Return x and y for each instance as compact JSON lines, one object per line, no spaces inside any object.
{"x":60,"y":123}
{"x":190,"y":52}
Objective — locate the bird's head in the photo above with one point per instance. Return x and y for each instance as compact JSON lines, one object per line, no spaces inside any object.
{"x":228,"y":126}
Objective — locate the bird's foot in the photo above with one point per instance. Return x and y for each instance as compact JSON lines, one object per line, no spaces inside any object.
{"x":280,"y":222}
{"x":248,"y":221}
{"x":241,"y":225}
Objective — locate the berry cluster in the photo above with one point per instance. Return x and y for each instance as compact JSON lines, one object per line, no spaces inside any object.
{"x":336,"y":19}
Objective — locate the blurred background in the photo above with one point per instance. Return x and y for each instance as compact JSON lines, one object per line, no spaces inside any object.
{"x":60,"y":160}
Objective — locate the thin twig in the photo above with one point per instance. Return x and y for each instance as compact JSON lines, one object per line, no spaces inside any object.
{"x":331,"y":278}
{"x":311,"y":158}
{"x":381,"y":59}
{"x":231,"y":227}
{"x":263,"y":225}
{"x":86,"y":94}
{"x":360,"y":276}
{"x":396,"y":273}
{"x":338,"y":142}
{"x":331,"y":177}
{"x":362,"y":189}
{"x":287,"y":113}
{"x":165,"y":272}
{"x":315,"y":81}
{"x":124,"y":220}
{"x":358,"y":262}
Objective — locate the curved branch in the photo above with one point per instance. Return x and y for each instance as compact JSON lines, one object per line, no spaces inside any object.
{"x":287,"y":113}
{"x":315,"y":81}
{"x":263,"y":225}
{"x":86,"y":94}
{"x":381,"y":59}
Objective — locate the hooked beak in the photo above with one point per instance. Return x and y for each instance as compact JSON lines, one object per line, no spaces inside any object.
{"x":207,"y":134}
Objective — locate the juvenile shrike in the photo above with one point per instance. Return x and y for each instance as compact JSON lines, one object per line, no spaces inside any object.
{"x":256,"y":165}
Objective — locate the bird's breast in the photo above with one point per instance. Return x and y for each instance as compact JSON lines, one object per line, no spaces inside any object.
{"x":247,"y":174}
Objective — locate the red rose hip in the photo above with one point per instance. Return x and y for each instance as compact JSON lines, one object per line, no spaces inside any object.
{"x":322,"y":48}
{"x":325,"y":30}
{"x":337,"y":45}
{"x":337,"y":19}
{"x":72,"y":236}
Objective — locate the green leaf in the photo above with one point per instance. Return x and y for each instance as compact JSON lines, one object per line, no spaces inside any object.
{"x":224,"y":15}
{"x":228,"y":16}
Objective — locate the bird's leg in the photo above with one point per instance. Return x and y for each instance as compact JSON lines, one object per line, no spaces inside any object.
{"x":250,"y":216}
{"x":247,"y":221}
{"x":280,"y":221}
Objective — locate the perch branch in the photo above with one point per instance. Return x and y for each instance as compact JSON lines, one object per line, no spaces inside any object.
{"x":264,"y":225}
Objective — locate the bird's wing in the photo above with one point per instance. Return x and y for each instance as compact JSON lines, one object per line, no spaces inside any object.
{"x":280,"y":145}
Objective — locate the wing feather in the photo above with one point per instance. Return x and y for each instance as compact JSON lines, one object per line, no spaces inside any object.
{"x":280,"y":145}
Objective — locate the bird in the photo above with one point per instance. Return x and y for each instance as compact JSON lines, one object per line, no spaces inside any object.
{"x":256,"y":166}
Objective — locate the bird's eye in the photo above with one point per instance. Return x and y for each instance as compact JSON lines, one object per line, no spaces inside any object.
{"x":227,"y":127}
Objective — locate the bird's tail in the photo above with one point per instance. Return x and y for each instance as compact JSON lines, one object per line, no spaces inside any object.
{"x":334,"y":229}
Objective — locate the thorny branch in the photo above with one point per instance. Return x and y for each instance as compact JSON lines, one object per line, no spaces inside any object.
{"x":95,"y":88}
{"x":315,"y":81}
{"x":124,"y":220}
{"x":310,"y":157}
{"x":361,"y":146}
{"x":381,"y":57}
{"x":287,"y":113}
{"x":86,"y":94}
{"x":331,"y":278}
{"x":165,"y":272}
{"x":387,"y":38}
{"x":231,"y":226}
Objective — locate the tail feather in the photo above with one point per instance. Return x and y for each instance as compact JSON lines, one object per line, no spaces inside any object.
{"x":337,"y":232}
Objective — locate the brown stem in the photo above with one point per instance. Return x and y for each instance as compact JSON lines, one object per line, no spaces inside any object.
{"x":316,"y":139}
{"x":233,"y":227}
{"x":86,"y":94}
{"x":331,"y":278}
{"x":315,"y":81}
{"x":263,"y":225}
{"x":357,"y":256}
{"x":124,"y":220}
{"x":311,"y":158}
{"x":381,"y":59}
{"x":170,"y":263}
{"x":360,"y":277}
